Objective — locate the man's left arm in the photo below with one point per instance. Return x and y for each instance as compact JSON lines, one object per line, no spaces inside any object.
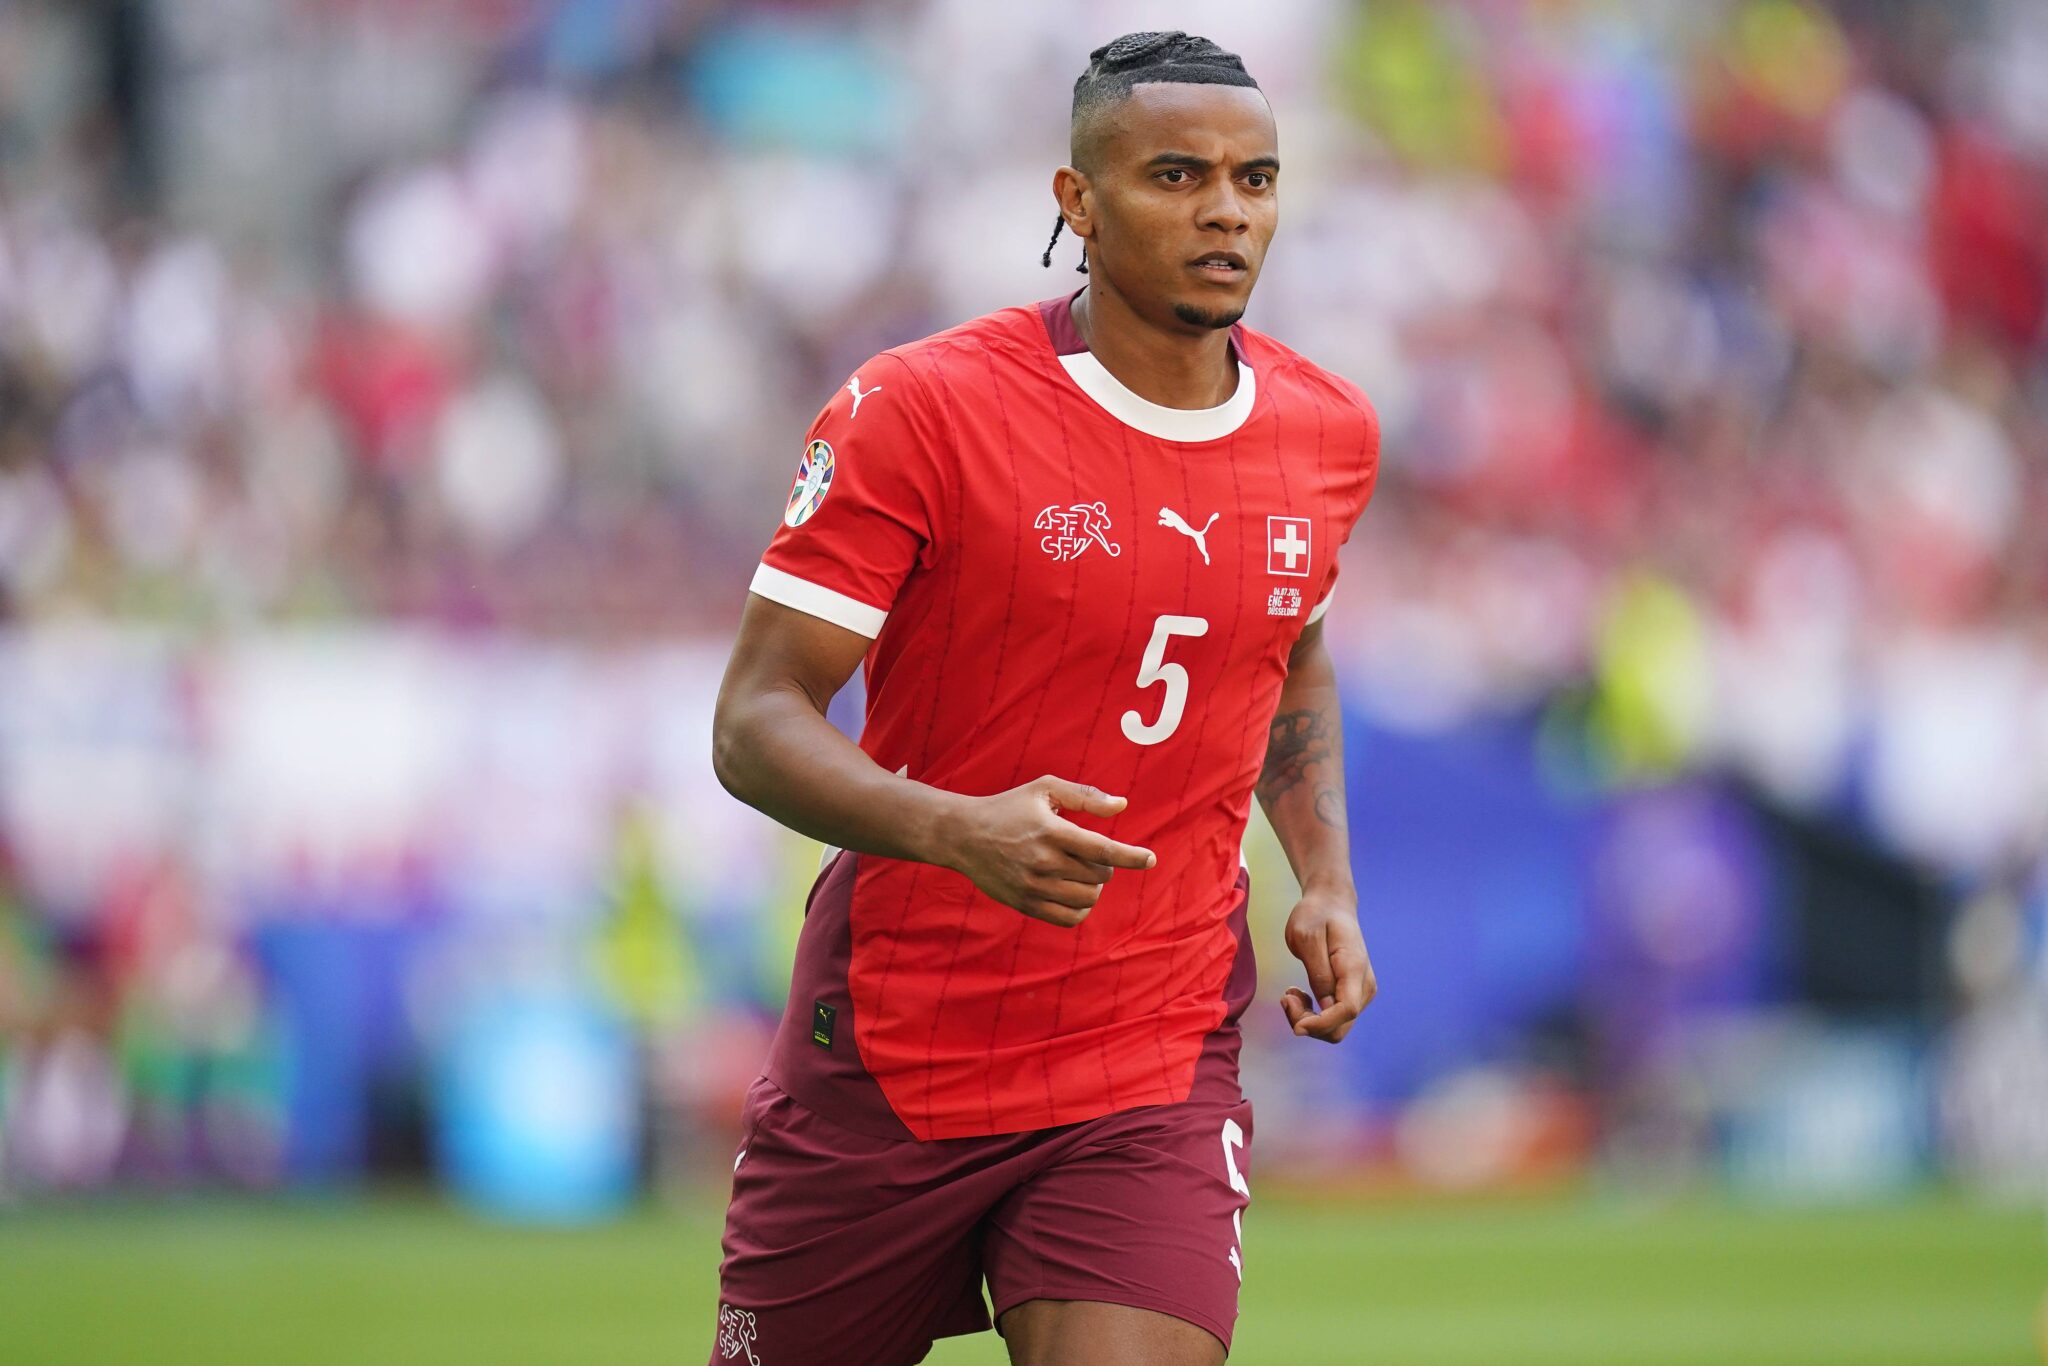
{"x":1302,"y":791}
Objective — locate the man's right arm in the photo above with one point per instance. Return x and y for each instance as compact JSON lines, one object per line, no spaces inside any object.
{"x":774,"y":750}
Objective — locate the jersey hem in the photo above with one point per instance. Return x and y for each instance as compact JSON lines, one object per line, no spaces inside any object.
{"x":1056,"y":1117}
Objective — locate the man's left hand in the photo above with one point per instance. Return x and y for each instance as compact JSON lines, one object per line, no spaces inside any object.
{"x":1322,"y":931}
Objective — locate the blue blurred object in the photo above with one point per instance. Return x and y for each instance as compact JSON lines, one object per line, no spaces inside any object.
{"x":537,"y":1109}
{"x":1839,"y":1114}
{"x":1685,"y":906}
{"x":594,"y":38}
{"x":816,"y":88}
{"x":1475,"y":880}
{"x":337,"y":987}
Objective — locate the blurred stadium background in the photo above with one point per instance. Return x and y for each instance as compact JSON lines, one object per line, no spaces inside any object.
{"x":395,"y":397}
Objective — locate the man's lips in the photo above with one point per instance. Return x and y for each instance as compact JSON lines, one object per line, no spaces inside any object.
{"x":1219,"y":265}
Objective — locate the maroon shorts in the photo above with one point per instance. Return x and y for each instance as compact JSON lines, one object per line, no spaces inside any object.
{"x":849,"y":1243}
{"x":851,"y":1249}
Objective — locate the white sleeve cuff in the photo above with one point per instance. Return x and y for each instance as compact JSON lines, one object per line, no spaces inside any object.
{"x":1316,"y":613}
{"x":821,"y":602}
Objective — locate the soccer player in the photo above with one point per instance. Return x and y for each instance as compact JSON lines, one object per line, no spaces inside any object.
{"x":1083,"y":549}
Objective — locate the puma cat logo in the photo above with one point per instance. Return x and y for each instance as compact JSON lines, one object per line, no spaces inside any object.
{"x":1168,"y":517}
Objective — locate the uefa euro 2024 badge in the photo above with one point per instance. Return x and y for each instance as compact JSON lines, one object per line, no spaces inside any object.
{"x":813,"y":482}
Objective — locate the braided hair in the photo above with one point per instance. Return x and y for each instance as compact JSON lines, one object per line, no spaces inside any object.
{"x":1140,"y":59}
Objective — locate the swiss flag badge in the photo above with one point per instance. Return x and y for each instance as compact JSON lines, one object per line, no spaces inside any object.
{"x":1287,"y":546}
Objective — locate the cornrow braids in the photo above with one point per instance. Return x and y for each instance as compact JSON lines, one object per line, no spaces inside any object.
{"x":1046,"y":260}
{"x":1141,"y":59}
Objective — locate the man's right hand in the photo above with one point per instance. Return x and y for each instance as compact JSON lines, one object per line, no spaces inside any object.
{"x":1017,"y":848}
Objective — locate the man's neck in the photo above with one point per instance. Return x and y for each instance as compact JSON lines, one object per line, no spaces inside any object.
{"x":1173,"y":369}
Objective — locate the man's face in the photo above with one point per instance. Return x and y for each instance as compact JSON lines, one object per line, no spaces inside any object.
{"x":1185,"y":187}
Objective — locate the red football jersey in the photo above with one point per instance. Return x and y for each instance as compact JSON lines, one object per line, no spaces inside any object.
{"x":1062,"y":577}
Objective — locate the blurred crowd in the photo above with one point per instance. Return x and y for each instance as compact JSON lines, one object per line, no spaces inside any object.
{"x":1708,"y":340}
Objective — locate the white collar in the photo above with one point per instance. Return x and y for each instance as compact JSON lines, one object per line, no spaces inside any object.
{"x":1092,"y":377}
{"x":1153,"y":419}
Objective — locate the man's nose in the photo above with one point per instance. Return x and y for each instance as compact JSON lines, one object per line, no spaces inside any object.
{"x":1225,"y":210}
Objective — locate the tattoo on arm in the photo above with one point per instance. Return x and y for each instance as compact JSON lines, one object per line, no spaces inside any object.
{"x":1299,"y":741}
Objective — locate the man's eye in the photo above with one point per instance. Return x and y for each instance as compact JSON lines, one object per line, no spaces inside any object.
{"x":1172,"y":171}
{"x":1259,"y":180}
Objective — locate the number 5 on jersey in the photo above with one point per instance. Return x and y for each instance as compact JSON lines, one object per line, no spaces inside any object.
{"x":1153,"y":668}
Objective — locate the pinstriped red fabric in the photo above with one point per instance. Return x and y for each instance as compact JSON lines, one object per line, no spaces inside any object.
{"x":1060,"y":578}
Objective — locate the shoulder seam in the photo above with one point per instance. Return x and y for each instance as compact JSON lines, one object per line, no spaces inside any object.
{"x":948,"y":463}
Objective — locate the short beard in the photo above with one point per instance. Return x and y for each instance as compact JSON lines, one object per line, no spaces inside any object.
{"x":1196,"y":317}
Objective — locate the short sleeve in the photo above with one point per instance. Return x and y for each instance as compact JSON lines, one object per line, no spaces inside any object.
{"x":1364,"y":477}
{"x":867,"y":503}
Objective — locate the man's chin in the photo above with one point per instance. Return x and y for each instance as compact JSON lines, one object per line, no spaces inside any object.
{"x":1215,"y":319}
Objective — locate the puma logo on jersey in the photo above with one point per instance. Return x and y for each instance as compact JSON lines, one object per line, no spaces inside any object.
{"x":1074,"y":529}
{"x":853,"y":387}
{"x":1168,"y":517}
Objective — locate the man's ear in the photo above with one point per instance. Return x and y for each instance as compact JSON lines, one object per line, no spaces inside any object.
{"x":1076,"y":198}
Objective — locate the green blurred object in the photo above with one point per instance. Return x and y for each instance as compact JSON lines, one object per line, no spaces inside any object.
{"x":1404,"y":70}
{"x":1791,"y":54}
{"x":412,"y":1283}
{"x":1651,"y":704}
{"x":642,"y":958}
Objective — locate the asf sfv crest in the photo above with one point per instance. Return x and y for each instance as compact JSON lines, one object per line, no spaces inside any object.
{"x":736,"y":1335}
{"x":1073,"y":529}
